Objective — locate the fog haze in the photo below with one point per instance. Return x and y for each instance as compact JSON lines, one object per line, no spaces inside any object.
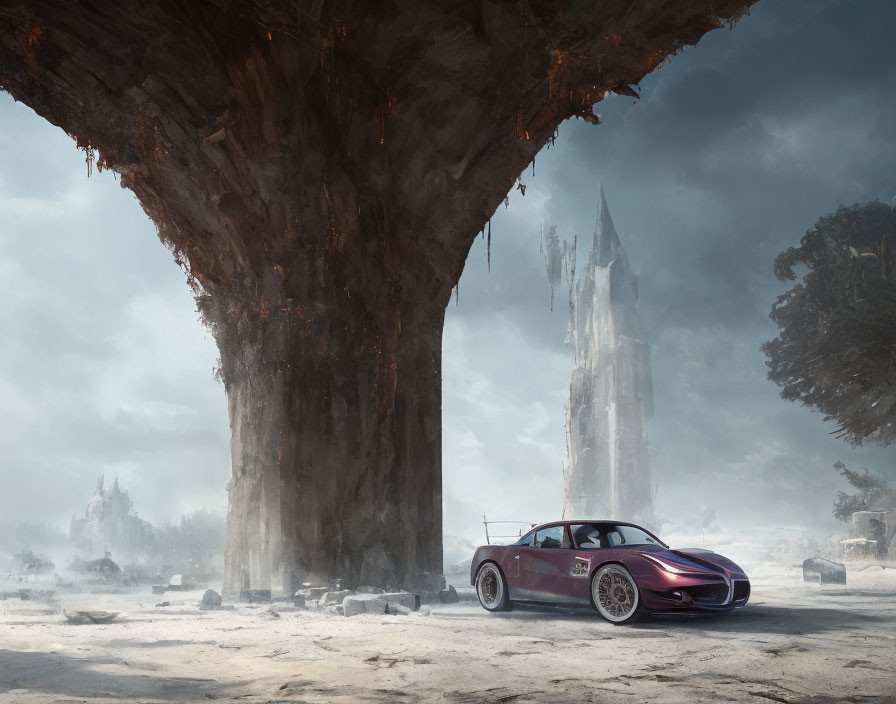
{"x":734,"y":149}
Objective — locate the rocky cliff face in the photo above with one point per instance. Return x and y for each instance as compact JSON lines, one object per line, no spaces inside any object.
{"x":320,"y":171}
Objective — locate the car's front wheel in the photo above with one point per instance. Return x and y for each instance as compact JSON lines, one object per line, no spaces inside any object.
{"x":615,"y":594}
{"x":491,"y":588}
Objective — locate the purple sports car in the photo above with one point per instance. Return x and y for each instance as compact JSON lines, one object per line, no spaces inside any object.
{"x":619,"y":568}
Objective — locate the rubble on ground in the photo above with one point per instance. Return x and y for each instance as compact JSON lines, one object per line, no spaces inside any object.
{"x":449,"y":595}
{"x":210,"y":600}
{"x":255,"y":596}
{"x":355,"y":604}
{"x":817,"y":570}
{"x":86,"y":617}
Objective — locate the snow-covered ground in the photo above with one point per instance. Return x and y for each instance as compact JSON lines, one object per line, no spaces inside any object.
{"x":792,"y":643}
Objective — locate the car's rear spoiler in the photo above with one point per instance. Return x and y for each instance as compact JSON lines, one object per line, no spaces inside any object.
{"x":522,"y":528}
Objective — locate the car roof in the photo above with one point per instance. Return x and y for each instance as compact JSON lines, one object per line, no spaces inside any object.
{"x":604,"y":521}
{"x":586,"y":521}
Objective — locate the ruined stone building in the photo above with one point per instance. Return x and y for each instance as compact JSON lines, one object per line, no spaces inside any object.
{"x":872,"y":535}
{"x":607,"y":474}
{"x":109,"y":525}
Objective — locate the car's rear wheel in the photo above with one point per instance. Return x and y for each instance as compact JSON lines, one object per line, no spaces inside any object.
{"x":491,"y":588}
{"x":615,"y":594}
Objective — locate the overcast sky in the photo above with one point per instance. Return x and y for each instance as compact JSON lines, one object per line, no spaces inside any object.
{"x":734,"y":149}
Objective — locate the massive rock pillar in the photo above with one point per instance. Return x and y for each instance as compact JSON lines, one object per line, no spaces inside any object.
{"x":320,"y":171}
{"x":335,"y":411}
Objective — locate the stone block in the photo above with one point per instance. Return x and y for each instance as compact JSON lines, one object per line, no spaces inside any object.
{"x":817,"y":570}
{"x":449,"y":595}
{"x":355,"y":604}
{"x":406,"y":599}
{"x":333,"y":597}
{"x":255,"y":596}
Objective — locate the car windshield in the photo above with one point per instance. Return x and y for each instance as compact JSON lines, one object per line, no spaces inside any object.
{"x":610,"y":535}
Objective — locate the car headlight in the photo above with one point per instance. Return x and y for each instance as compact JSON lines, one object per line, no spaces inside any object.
{"x":669,"y":567}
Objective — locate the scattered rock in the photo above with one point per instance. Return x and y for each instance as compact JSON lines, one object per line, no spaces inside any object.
{"x":314,"y":593}
{"x":817,"y":570}
{"x":210,"y":600}
{"x":255,"y":596}
{"x":334,"y":597}
{"x":270,"y":613}
{"x":449,"y":595}
{"x":355,"y":604}
{"x":83,"y":617}
{"x":406,"y":599}
{"x":177,"y":583}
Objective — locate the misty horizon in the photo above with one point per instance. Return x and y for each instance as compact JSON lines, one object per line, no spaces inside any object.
{"x":734,"y":149}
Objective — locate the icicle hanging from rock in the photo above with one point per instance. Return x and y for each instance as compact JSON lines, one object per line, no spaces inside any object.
{"x":553,"y":253}
{"x":488,"y":246}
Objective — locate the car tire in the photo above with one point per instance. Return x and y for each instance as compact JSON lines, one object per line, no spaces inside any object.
{"x":615,"y":594}
{"x":491,"y":588}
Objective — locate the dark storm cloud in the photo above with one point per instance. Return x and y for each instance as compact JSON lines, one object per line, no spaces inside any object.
{"x":735,"y":148}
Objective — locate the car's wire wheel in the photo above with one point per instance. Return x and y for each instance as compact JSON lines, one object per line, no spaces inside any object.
{"x":490,"y":587}
{"x":615,"y":593}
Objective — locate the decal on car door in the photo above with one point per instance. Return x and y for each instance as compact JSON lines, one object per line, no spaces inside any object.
{"x":581,"y":567}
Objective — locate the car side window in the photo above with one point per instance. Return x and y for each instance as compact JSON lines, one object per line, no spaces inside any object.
{"x":527,"y":539}
{"x":550,"y":537}
{"x":615,"y":538}
{"x":589,"y":536}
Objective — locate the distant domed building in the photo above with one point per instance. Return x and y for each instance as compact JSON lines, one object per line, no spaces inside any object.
{"x":109,"y":526}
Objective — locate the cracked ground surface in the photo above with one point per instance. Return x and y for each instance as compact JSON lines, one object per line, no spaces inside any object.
{"x":792,"y":643}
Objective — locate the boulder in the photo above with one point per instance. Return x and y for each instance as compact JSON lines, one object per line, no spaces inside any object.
{"x":817,"y":570}
{"x":82,"y":617}
{"x":334,"y":597}
{"x":398,"y":610}
{"x":210,"y":600}
{"x":449,"y":595}
{"x":355,"y":604}
{"x":313,"y":593}
{"x":406,"y":599}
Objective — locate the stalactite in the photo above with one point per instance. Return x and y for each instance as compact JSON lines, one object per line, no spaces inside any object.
{"x":488,"y":247}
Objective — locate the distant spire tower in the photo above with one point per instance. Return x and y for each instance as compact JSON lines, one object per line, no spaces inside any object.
{"x":607,"y":473}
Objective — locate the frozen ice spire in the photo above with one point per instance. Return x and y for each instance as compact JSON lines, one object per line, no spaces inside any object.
{"x":606,"y":246}
{"x":611,"y":394}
